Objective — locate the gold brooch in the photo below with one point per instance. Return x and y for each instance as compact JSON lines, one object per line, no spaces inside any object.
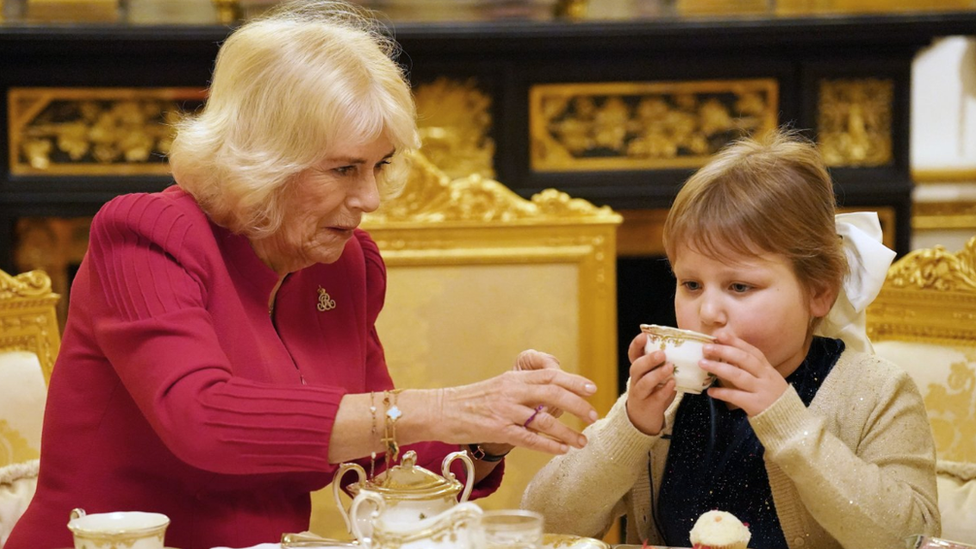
{"x":326,"y":303}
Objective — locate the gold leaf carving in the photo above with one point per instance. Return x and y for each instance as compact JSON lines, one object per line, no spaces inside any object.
{"x":936,"y":269}
{"x":430,"y":195}
{"x":644,"y":125}
{"x":854,"y":123}
{"x":30,"y":284}
{"x":454,"y":119}
{"x":89,"y":131}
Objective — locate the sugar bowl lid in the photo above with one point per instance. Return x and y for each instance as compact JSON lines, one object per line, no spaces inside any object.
{"x":409,"y":481}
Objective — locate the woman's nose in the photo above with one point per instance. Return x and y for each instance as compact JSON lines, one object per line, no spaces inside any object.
{"x":366,"y":197}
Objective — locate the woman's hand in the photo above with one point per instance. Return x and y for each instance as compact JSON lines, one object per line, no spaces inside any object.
{"x":497,"y":410}
{"x":651,"y":387}
{"x":749,"y":381}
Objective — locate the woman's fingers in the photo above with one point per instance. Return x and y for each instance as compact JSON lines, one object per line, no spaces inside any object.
{"x":560,"y":390}
{"x":530,"y":359}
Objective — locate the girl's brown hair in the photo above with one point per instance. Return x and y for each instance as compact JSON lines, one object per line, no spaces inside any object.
{"x":768,"y":195}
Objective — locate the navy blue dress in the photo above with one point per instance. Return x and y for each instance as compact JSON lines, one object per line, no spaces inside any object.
{"x":716,"y":461}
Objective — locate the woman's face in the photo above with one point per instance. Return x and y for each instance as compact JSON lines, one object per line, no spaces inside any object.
{"x":323,"y":206}
{"x":756,"y":298}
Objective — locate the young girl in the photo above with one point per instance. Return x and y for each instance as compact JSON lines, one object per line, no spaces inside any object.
{"x":806,"y":439}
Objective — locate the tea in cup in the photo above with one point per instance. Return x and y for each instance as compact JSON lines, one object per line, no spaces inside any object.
{"x":683,"y":348}
{"x":129,"y":529}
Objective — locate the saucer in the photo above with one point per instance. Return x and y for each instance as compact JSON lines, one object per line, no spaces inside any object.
{"x":563,"y":541}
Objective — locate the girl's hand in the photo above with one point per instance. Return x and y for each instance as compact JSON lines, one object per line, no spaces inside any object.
{"x":749,"y":381}
{"x":651,"y":387}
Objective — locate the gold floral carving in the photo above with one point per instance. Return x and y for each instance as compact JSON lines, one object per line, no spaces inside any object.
{"x":430,"y":195}
{"x":454,"y":120}
{"x":929,"y":296}
{"x":94,"y":131}
{"x":25,"y":285}
{"x":936,"y":269}
{"x":854,"y":121}
{"x":644,"y":125}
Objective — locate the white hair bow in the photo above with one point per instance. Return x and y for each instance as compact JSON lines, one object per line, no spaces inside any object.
{"x":868,"y":261}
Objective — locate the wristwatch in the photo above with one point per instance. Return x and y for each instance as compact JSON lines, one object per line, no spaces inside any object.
{"x":479,"y":453}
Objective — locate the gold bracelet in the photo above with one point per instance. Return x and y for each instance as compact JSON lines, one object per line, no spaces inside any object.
{"x":389,"y":428}
{"x":372,"y":430}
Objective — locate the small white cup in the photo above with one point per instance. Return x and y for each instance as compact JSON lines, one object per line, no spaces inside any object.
{"x":129,"y":529}
{"x":512,"y":529}
{"x":683,"y":348}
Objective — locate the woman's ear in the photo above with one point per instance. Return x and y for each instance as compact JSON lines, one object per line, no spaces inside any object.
{"x":821,"y":300}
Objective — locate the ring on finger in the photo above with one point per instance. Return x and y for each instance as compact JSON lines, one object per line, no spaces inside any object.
{"x":532,"y":417}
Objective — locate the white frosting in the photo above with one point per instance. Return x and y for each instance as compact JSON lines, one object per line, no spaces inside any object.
{"x":720,"y":529}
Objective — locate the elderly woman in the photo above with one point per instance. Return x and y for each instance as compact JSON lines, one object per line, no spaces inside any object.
{"x":221,"y":355}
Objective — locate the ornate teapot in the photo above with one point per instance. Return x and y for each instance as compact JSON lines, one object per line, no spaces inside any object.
{"x":407,"y":493}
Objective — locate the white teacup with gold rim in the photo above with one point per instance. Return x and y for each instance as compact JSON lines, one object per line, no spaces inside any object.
{"x":683,"y":348}
{"x":129,"y":529}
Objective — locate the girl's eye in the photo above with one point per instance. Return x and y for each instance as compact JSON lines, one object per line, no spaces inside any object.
{"x":691,"y":285}
{"x":740,"y":288}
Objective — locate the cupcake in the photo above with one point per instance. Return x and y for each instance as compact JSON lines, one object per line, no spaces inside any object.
{"x":719,"y":530}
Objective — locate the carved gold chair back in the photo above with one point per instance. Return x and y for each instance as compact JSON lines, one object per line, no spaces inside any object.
{"x":476,"y":274}
{"x":924,"y":320}
{"x":28,"y":317}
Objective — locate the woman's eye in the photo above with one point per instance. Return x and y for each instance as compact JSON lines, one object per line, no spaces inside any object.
{"x":383,"y":164}
{"x":740,"y":288}
{"x":344,"y":170}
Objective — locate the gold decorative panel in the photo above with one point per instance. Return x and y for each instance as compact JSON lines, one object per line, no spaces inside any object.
{"x":944,"y":215}
{"x":454,"y":119}
{"x":854,"y":121}
{"x":54,"y":245}
{"x":94,"y":131}
{"x":644,"y":125}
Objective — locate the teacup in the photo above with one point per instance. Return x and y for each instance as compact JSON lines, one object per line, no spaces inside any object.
{"x":683,"y":348}
{"x":129,"y":529}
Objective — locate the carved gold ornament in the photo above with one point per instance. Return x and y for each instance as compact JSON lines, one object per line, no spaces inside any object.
{"x":430,"y":195}
{"x":854,"y":121}
{"x":14,"y":448}
{"x":27,"y":317}
{"x":644,"y":125}
{"x":94,"y":131}
{"x":930,"y":296}
{"x":937,"y":269}
{"x":454,"y":120}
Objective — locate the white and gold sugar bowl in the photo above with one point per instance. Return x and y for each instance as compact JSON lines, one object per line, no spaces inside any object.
{"x":409,"y":492}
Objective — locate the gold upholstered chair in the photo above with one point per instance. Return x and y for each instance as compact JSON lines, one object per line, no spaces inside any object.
{"x":29,"y":342}
{"x":477,"y":274}
{"x":924,"y":320}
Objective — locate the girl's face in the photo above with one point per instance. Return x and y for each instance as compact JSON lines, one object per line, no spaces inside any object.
{"x":756,"y":298}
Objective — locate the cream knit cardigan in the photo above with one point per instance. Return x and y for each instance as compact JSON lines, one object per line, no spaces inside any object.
{"x":854,"y":470}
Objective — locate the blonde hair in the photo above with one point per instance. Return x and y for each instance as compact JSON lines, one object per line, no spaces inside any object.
{"x":772,"y":195}
{"x":287,"y":88}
